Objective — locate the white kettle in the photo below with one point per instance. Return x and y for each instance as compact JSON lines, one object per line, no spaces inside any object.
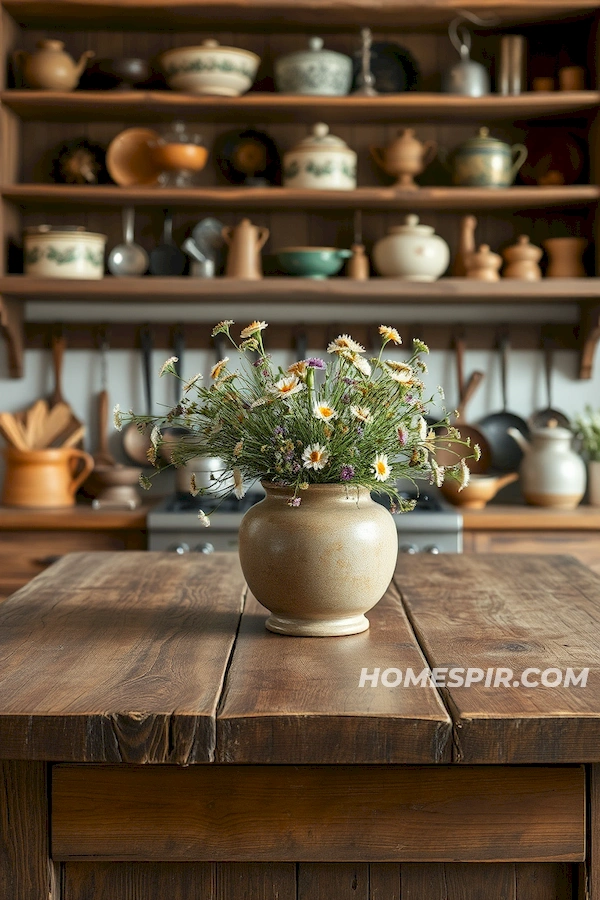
{"x":551,"y":473}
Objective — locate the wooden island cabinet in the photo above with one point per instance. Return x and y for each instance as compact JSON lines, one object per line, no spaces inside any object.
{"x":157,"y":741}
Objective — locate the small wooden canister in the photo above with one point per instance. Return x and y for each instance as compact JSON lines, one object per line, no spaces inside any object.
{"x":44,"y":478}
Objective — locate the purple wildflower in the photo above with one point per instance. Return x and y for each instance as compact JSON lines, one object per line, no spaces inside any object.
{"x":403,"y":436}
{"x":257,"y":362}
{"x":348,"y":381}
{"x":347,"y":473}
{"x":360,"y":430}
{"x":295,"y":501}
{"x":279,"y":431}
{"x":346,"y":399}
{"x":296,"y":468}
{"x":315,"y":363}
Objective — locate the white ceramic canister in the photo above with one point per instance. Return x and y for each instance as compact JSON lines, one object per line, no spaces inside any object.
{"x":411,"y":251}
{"x":314,"y":71}
{"x":320,"y":161}
{"x":63,"y":252}
{"x":552,"y":474}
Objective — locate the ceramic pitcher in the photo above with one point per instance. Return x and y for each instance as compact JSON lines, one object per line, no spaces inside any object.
{"x":405,"y":157}
{"x":50,"y":68}
{"x":551,"y":473}
{"x":44,"y":478}
{"x":245,"y":242}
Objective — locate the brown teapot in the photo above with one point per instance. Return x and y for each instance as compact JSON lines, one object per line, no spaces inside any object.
{"x":245,"y":242}
{"x":405,"y":157}
{"x":50,"y":68}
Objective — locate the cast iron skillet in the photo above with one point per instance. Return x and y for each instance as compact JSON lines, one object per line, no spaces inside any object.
{"x":506,"y":453}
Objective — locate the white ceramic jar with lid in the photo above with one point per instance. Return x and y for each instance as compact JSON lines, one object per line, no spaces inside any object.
{"x":411,"y":251}
{"x":320,"y":161}
{"x":314,"y":71}
{"x":551,"y":473}
{"x":69,"y":252}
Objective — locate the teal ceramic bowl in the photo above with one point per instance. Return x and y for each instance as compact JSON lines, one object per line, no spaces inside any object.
{"x":312,"y":262}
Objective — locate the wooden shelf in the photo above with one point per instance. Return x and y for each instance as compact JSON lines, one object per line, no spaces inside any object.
{"x":283,"y":15}
{"x":306,"y":290}
{"x":147,"y":106}
{"x":387,"y":198}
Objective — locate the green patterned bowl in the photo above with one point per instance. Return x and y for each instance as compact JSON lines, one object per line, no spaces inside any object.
{"x":312,"y":262}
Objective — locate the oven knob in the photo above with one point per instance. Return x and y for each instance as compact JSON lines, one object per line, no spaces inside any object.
{"x":432,"y":549}
{"x":180,"y":549}
{"x":409,"y":548}
{"x":205,"y":548}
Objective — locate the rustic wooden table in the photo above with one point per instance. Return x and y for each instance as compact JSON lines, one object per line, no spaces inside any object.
{"x":157,"y":742}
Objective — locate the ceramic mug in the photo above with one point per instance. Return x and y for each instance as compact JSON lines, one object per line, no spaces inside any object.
{"x":44,"y":478}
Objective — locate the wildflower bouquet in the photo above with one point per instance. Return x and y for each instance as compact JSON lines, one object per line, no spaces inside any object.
{"x":587,"y":429}
{"x":349,"y":420}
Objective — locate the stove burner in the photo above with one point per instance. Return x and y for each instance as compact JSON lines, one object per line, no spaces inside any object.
{"x":182,"y":501}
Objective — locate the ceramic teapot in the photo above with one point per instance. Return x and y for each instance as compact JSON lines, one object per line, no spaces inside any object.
{"x":50,"y":68}
{"x":245,"y":242}
{"x":484,"y":161}
{"x":552,"y":474}
{"x":405,"y":157}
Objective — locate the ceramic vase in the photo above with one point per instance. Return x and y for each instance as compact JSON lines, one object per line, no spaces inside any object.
{"x":319,"y":567}
{"x":594,"y":483}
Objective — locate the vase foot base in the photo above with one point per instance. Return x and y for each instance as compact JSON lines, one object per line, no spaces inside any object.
{"x":317,"y":627}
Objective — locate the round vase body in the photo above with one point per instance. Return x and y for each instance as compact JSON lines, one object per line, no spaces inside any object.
{"x":551,"y":473}
{"x":320,"y":567}
{"x":411,"y":251}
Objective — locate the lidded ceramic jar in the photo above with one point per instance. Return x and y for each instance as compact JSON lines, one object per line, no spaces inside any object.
{"x":63,"y":252}
{"x":484,"y":161}
{"x":551,"y":473}
{"x":320,"y":161}
{"x":314,"y":71}
{"x":411,"y":251}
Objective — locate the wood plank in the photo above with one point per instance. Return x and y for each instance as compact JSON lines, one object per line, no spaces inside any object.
{"x":531,"y":519}
{"x":322,"y":881}
{"x":515,"y":612}
{"x":139,"y":881}
{"x":255,"y":881}
{"x":293,"y":290}
{"x":304,"y":703}
{"x":472,"y":881}
{"x":385,"y":881}
{"x":77,"y":518}
{"x":26,"y":871}
{"x":118,"y":657}
{"x":414,"y":106}
{"x":250,"y":198}
{"x":318,"y":813}
{"x":594,"y":834}
{"x":548,"y":881}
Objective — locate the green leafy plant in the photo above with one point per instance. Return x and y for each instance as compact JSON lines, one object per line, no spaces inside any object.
{"x":587,"y":429}
{"x":351,"y":420}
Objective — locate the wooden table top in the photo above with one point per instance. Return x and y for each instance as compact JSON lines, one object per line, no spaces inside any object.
{"x":150,"y":658}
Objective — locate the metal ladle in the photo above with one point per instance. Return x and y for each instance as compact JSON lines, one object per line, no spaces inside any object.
{"x":541,"y":417}
{"x":128,"y":260}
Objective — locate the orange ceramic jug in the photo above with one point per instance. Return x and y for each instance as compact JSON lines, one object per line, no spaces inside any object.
{"x":44,"y":478}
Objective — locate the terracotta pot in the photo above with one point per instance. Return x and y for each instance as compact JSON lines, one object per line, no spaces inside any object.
{"x":564,"y":257}
{"x":44,"y":478}
{"x":321,"y":566}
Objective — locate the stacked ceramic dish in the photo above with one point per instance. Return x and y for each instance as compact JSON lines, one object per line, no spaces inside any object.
{"x":68,"y":252}
{"x":210,"y":69}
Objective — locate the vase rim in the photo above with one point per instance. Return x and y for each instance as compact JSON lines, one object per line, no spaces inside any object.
{"x":286,"y":490}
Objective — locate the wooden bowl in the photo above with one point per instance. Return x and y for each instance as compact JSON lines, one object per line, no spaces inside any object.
{"x":479,"y":491}
{"x":131,"y":160}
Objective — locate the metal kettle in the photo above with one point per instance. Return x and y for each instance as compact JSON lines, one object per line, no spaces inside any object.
{"x":466,"y":77}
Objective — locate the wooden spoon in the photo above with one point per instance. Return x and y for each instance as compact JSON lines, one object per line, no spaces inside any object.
{"x":59,"y":345}
{"x":103,"y":456}
{"x":35,"y":422}
{"x":13,"y":432}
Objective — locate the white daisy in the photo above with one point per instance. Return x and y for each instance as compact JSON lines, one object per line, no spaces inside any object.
{"x":324,"y":412}
{"x":253,"y":328}
{"x":358,"y":362}
{"x":169,"y":366}
{"x":423,"y":428}
{"x":389,"y":334}
{"x":381,"y":467}
{"x":362,"y":413}
{"x":238,"y":484}
{"x":285,"y":387}
{"x":315,"y":457}
{"x":399,"y":371}
{"x":345,"y":344}
{"x":218,"y":368}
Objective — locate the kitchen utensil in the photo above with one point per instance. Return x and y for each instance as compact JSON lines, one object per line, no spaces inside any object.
{"x":208,"y":237}
{"x":551,"y":473}
{"x":56,"y":423}
{"x":210,"y":69}
{"x":44,"y":478}
{"x":63,"y":252}
{"x":137,"y":443}
{"x":248,"y":157}
{"x":59,"y":346}
{"x":50,"y":68}
{"x":365,"y":80}
{"x":166,"y":258}
{"x":245,"y":242}
{"x":478,"y":492}
{"x":312,"y":262}
{"x":79,"y":161}
{"x":404,"y":158}
{"x":466,"y":245}
{"x":115,"y":487}
{"x":130,"y":158}
{"x":358,"y":267}
{"x":128,"y":260}
{"x":124,"y":73}
{"x":522,"y":260}
{"x":467,"y":76}
{"x":411,"y":251}
{"x":511,"y":78}
{"x":393,"y":67}
{"x":506,"y":453}
{"x":180,"y":154}
{"x":12,"y":432}
{"x":483,"y":264}
{"x":202,"y":266}
{"x":320,"y":161}
{"x":103,"y":456}
{"x":542,"y":417}
{"x":35,"y":420}
{"x":314,"y":71}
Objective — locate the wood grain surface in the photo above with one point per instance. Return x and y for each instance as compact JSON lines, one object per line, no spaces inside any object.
{"x":318,"y":813}
{"x":303,"y":704}
{"x":514,"y":612}
{"x":118,"y":657}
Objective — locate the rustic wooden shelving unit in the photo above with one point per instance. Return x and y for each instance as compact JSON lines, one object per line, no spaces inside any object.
{"x":33,"y":122}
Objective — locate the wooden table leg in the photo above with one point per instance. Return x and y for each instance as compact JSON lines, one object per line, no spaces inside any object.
{"x":26,"y":871}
